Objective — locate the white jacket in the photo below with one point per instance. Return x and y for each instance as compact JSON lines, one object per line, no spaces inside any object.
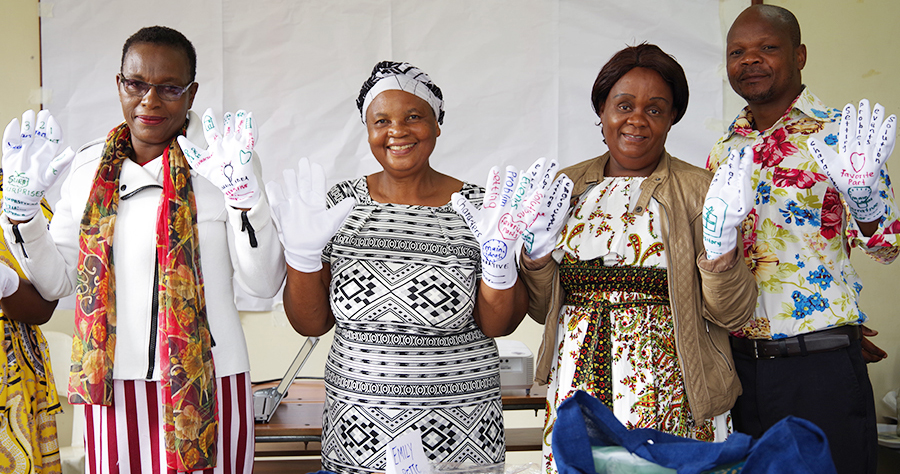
{"x":49,"y":259}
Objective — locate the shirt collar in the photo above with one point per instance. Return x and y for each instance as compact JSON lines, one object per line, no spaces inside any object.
{"x":806,"y":104}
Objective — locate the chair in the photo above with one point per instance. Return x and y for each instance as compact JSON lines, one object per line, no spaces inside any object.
{"x":72,"y":457}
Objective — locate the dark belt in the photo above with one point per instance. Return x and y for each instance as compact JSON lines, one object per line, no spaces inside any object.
{"x":811,"y":343}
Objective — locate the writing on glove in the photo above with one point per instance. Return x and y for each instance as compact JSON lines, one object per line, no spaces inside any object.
{"x":865,"y":141}
{"x":729,"y":201}
{"x":30,"y":163}
{"x":228,"y":162}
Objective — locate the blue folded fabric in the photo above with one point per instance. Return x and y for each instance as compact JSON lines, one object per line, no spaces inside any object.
{"x":792,"y":446}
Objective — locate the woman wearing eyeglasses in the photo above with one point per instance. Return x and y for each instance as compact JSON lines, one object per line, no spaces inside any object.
{"x":151,"y":249}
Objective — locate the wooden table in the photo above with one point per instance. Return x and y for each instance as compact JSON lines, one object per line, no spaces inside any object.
{"x":296,"y":427}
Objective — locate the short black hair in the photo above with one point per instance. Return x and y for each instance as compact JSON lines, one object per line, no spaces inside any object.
{"x":165,"y":36}
{"x":648,"y":56}
{"x":784,"y":19}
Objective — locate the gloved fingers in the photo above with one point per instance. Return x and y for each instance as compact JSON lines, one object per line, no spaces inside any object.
{"x":721,"y":174}
{"x":532,"y":174}
{"x":244,"y":130}
{"x":513,"y":188}
{"x":864,"y":114}
{"x":887,"y":136}
{"x":27,"y":126}
{"x":198,"y":159}
{"x":228,"y":126}
{"x":492,"y":189}
{"x":317,"y":188}
{"x":468,"y":212}
{"x":12,"y":136}
{"x":557,"y":204}
{"x":44,"y":126}
{"x":847,"y":130}
{"x":748,"y":196}
{"x":210,"y":129}
{"x":59,"y":165}
{"x":544,"y":180}
{"x":874,"y":126}
{"x":298,"y":182}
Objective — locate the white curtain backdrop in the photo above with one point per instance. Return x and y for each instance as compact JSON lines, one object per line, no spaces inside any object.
{"x":516,"y":74}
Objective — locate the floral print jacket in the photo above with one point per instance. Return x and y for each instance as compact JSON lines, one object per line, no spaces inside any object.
{"x":797,"y":238}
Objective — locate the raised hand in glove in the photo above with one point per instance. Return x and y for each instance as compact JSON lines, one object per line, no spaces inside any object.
{"x":728,"y":202}
{"x":228,"y":162}
{"x":304,"y":223}
{"x":508,"y":209}
{"x":30,"y":163}
{"x":864,"y":144}
{"x":540,"y":237}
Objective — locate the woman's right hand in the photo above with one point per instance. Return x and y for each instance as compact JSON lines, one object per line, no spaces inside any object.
{"x":304,"y":223}
{"x":511,"y":205}
{"x":30,"y":163}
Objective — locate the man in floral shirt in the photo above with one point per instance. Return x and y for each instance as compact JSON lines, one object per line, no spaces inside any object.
{"x":801,"y":353}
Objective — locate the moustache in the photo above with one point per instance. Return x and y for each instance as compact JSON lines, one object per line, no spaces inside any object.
{"x":753,"y":71}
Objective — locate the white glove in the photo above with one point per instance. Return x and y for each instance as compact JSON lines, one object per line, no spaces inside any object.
{"x":864,"y":145}
{"x":9,"y":281}
{"x":508,"y":209}
{"x":228,"y":162}
{"x":304,"y":223}
{"x":30,"y":163}
{"x":541,"y":235}
{"x":728,"y":202}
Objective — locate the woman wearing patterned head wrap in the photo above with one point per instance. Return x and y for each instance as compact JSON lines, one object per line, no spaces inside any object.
{"x":399,"y":282}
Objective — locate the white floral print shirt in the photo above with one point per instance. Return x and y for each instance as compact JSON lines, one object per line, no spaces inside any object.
{"x":797,"y":238}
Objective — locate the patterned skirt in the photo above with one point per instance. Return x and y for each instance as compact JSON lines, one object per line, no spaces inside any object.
{"x":28,"y":401}
{"x":378,"y":385}
{"x":616,"y":341}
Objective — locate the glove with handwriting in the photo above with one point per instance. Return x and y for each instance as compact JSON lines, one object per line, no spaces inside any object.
{"x":540,"y":237}
{"x":228,"y":162}
{"x":30,"y":163}
{"x":864,"y":144}
{"x":508,"y":209}
{"x":728,"y":202}
{"x":304,"y":223}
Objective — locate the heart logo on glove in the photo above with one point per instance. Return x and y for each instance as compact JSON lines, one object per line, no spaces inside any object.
{"x":510,"y":229}
{"x":857,"y":161}
{"x":245,"y":157}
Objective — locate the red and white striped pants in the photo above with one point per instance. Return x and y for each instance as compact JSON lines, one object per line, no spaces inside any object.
{"x":128,"y":436}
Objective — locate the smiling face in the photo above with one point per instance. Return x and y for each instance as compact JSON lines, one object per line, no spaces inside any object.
{"x":402,"y":132}
{"x":636,"y":118}
{"x":763,"y":65}
{"x":153,"y":121}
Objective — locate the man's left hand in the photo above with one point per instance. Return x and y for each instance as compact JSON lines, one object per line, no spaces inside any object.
{"x":871,"y":352}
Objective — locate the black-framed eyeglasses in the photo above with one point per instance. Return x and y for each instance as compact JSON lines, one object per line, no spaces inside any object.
{"x":167,"y":92}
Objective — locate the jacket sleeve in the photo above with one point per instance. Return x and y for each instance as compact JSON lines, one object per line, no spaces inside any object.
{"x":539,"y":284}
{"x":728,"y":288}
{"x":256,"y":252}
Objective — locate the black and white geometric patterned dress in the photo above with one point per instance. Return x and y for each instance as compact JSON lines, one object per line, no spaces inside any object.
{"x":407,"y":352}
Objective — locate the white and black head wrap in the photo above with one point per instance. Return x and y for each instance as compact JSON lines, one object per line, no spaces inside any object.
{"x":390,"y":75}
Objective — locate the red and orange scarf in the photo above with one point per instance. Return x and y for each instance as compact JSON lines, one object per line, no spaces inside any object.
{"x":188,"y":376}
